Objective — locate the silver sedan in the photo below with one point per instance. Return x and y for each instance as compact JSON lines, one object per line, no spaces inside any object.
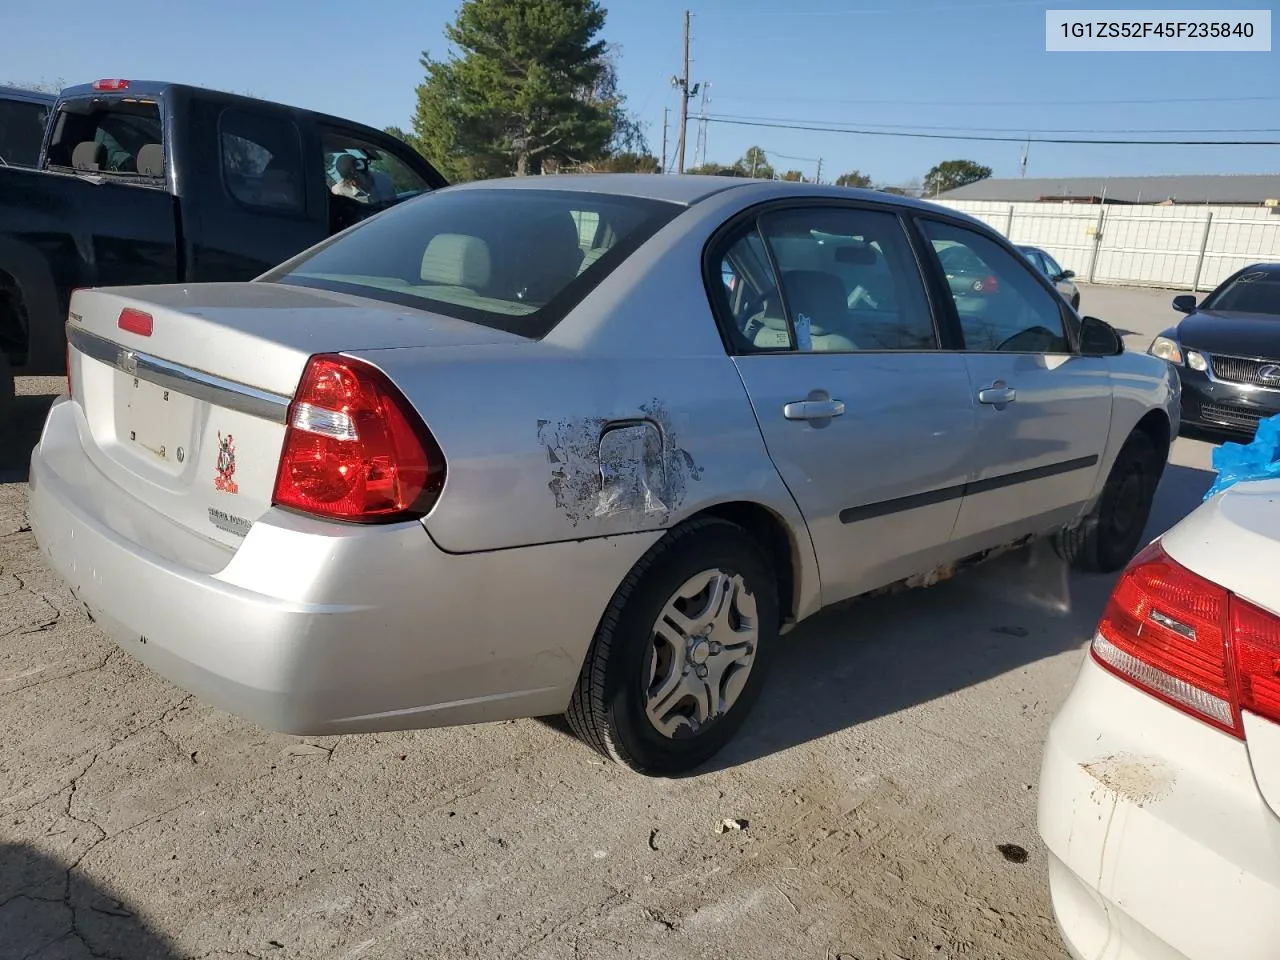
{"x":587,"y":445}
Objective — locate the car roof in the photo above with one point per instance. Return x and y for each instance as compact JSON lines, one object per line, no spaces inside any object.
{"x":30,"y":96}
{"x":688,"y":189}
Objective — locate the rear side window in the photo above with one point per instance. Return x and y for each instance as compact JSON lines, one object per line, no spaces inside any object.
{"x":109,"y":136}
{"x":262,"y":160}
{"x":517,"y":260}
{"x":21,"y":132}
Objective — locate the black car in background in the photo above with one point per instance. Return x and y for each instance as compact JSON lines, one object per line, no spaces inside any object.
{"x":1227,"y":352}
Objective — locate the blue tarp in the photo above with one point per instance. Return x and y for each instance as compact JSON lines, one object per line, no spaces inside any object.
{"x":1257,"y":460}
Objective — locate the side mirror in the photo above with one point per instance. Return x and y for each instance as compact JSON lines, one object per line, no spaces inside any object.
{"x":1185,"y":303}
{"x":1099,"y":339}
{"x":1067,"y":275}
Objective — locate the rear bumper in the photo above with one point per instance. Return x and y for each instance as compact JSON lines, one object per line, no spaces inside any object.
{"x":1160,"y":845}
{"x":1218,"y":405}
{"x":319,"y":628}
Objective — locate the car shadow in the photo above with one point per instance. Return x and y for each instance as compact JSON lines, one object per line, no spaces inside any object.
{"x":22,"y":433}
{"x":48,"y":911}
{"x":884,"y":654}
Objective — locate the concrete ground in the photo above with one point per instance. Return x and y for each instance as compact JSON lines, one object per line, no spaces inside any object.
{"x":887,"y":781}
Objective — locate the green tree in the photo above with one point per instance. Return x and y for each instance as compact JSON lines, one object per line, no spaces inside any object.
{"x":793,"y":176}
{"x":854,"y":178}
{"x":754,"y":163}
{"x":713,"y":169}
{"x":951,"y":174}
{"x":630,"y":162}
{"x":531,"y":82}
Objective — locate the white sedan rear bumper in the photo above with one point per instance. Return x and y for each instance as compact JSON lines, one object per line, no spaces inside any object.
{"x":313,"y":627}
{"x":1161,"y":846}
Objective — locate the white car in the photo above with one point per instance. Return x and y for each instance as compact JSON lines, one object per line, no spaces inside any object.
{"x":1160,"y":790}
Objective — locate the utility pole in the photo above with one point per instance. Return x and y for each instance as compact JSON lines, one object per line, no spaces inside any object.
{"x":817,"y":177}
{"x":665,"y":111}
{"x":684,"y":98}
{"x":700,"y":148}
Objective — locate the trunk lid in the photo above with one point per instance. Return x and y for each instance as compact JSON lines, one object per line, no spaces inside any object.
{"x":185,"y":401}
{"x":1234,"y":541}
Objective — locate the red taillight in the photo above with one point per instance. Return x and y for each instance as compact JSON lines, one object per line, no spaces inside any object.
{"x":354,"y":448}
{"x":135,"y":321}
{"x":1164,"y":629}
{"x":111,"y":84}
{"x":1191,"y":643}
{"x":1255,"y":645}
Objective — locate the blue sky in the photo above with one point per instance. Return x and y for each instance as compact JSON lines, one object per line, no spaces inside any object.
{"x":942,"y":63}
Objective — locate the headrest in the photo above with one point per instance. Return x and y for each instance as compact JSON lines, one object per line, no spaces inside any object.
{"x":456,"y":260}
{"x":89,"y":156}
{"x":819,"y":296}
{"x":151,"y":160}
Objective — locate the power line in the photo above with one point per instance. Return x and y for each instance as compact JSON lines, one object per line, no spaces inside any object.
{"x":1019,"y":130}
{"x":1000,"y":103}
{"x":991,"y":139}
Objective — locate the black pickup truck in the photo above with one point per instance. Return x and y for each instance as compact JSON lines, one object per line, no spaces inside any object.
{"x":145,"y":182}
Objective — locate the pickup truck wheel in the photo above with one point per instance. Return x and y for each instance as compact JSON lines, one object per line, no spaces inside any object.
{"x":1107,"y":537}
{"x":681,"y":653}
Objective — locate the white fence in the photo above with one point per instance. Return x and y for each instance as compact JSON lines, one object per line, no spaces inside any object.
{"x":1182,"y":247}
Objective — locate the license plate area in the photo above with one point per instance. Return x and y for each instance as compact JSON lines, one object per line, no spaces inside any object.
{"x":154,"y":422}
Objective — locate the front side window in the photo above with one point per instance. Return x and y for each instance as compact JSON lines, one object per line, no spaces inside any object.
{"x":516,"y":260}
{"x":262,"y":161}
{"x":21,"y":132}
{"x":1001,"y":305}
{"x":1051,"y":266}
{"x":366,"y":173}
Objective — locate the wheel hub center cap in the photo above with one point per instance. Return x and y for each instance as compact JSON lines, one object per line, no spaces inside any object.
{"x":699,"y":651}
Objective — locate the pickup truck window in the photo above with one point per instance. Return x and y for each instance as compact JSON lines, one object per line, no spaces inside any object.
{"x":261,"y":160}
{"x":21,"y":131}
{"x":109,"y":136}
{"x":367,"y":173}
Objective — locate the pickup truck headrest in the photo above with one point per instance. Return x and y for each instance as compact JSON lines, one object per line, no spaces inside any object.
{"x":457,"y":260}
{"x":151,"y":160}
{"x":89,"y":156}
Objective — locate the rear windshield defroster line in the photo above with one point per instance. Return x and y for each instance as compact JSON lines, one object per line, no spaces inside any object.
{"x":513,"y":260}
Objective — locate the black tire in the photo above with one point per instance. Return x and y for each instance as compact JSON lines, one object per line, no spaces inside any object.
{"x":1109,"y":535}
{"x":608,"y":707}
{"x":8,"y":398}
{"x":1075,"y":302}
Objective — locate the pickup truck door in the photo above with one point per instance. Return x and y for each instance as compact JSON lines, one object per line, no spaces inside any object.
{"x":1043,"y":410}
{"x":252,"y":198}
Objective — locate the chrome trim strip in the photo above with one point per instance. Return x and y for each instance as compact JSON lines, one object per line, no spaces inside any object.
{"x":219,"y":391}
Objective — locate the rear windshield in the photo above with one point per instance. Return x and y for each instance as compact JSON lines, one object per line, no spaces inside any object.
{"x":1257,"y":291}
{"x":517,"y":260}
{"x":21,"y":132}
{"x":107,"y":135}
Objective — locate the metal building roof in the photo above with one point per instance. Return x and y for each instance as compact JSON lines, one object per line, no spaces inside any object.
{"x":1195,"y":188}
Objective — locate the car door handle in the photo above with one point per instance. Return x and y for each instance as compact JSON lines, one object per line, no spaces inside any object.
{"x":999,"y":392}
{"x":813,"y":409}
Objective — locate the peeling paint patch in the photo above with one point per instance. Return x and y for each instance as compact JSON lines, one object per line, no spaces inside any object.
{"x":1139,"y":780}
{"x":624,"y":467}
{"x":631,"y":471}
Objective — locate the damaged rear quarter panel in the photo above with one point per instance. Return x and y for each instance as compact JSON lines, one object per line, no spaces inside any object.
{"x":544,"y":446}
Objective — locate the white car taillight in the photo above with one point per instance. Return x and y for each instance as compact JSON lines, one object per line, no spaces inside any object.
{"x":1190,"y":642}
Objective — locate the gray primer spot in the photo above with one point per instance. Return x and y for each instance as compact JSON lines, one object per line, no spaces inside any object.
{"x":602,"y":468}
